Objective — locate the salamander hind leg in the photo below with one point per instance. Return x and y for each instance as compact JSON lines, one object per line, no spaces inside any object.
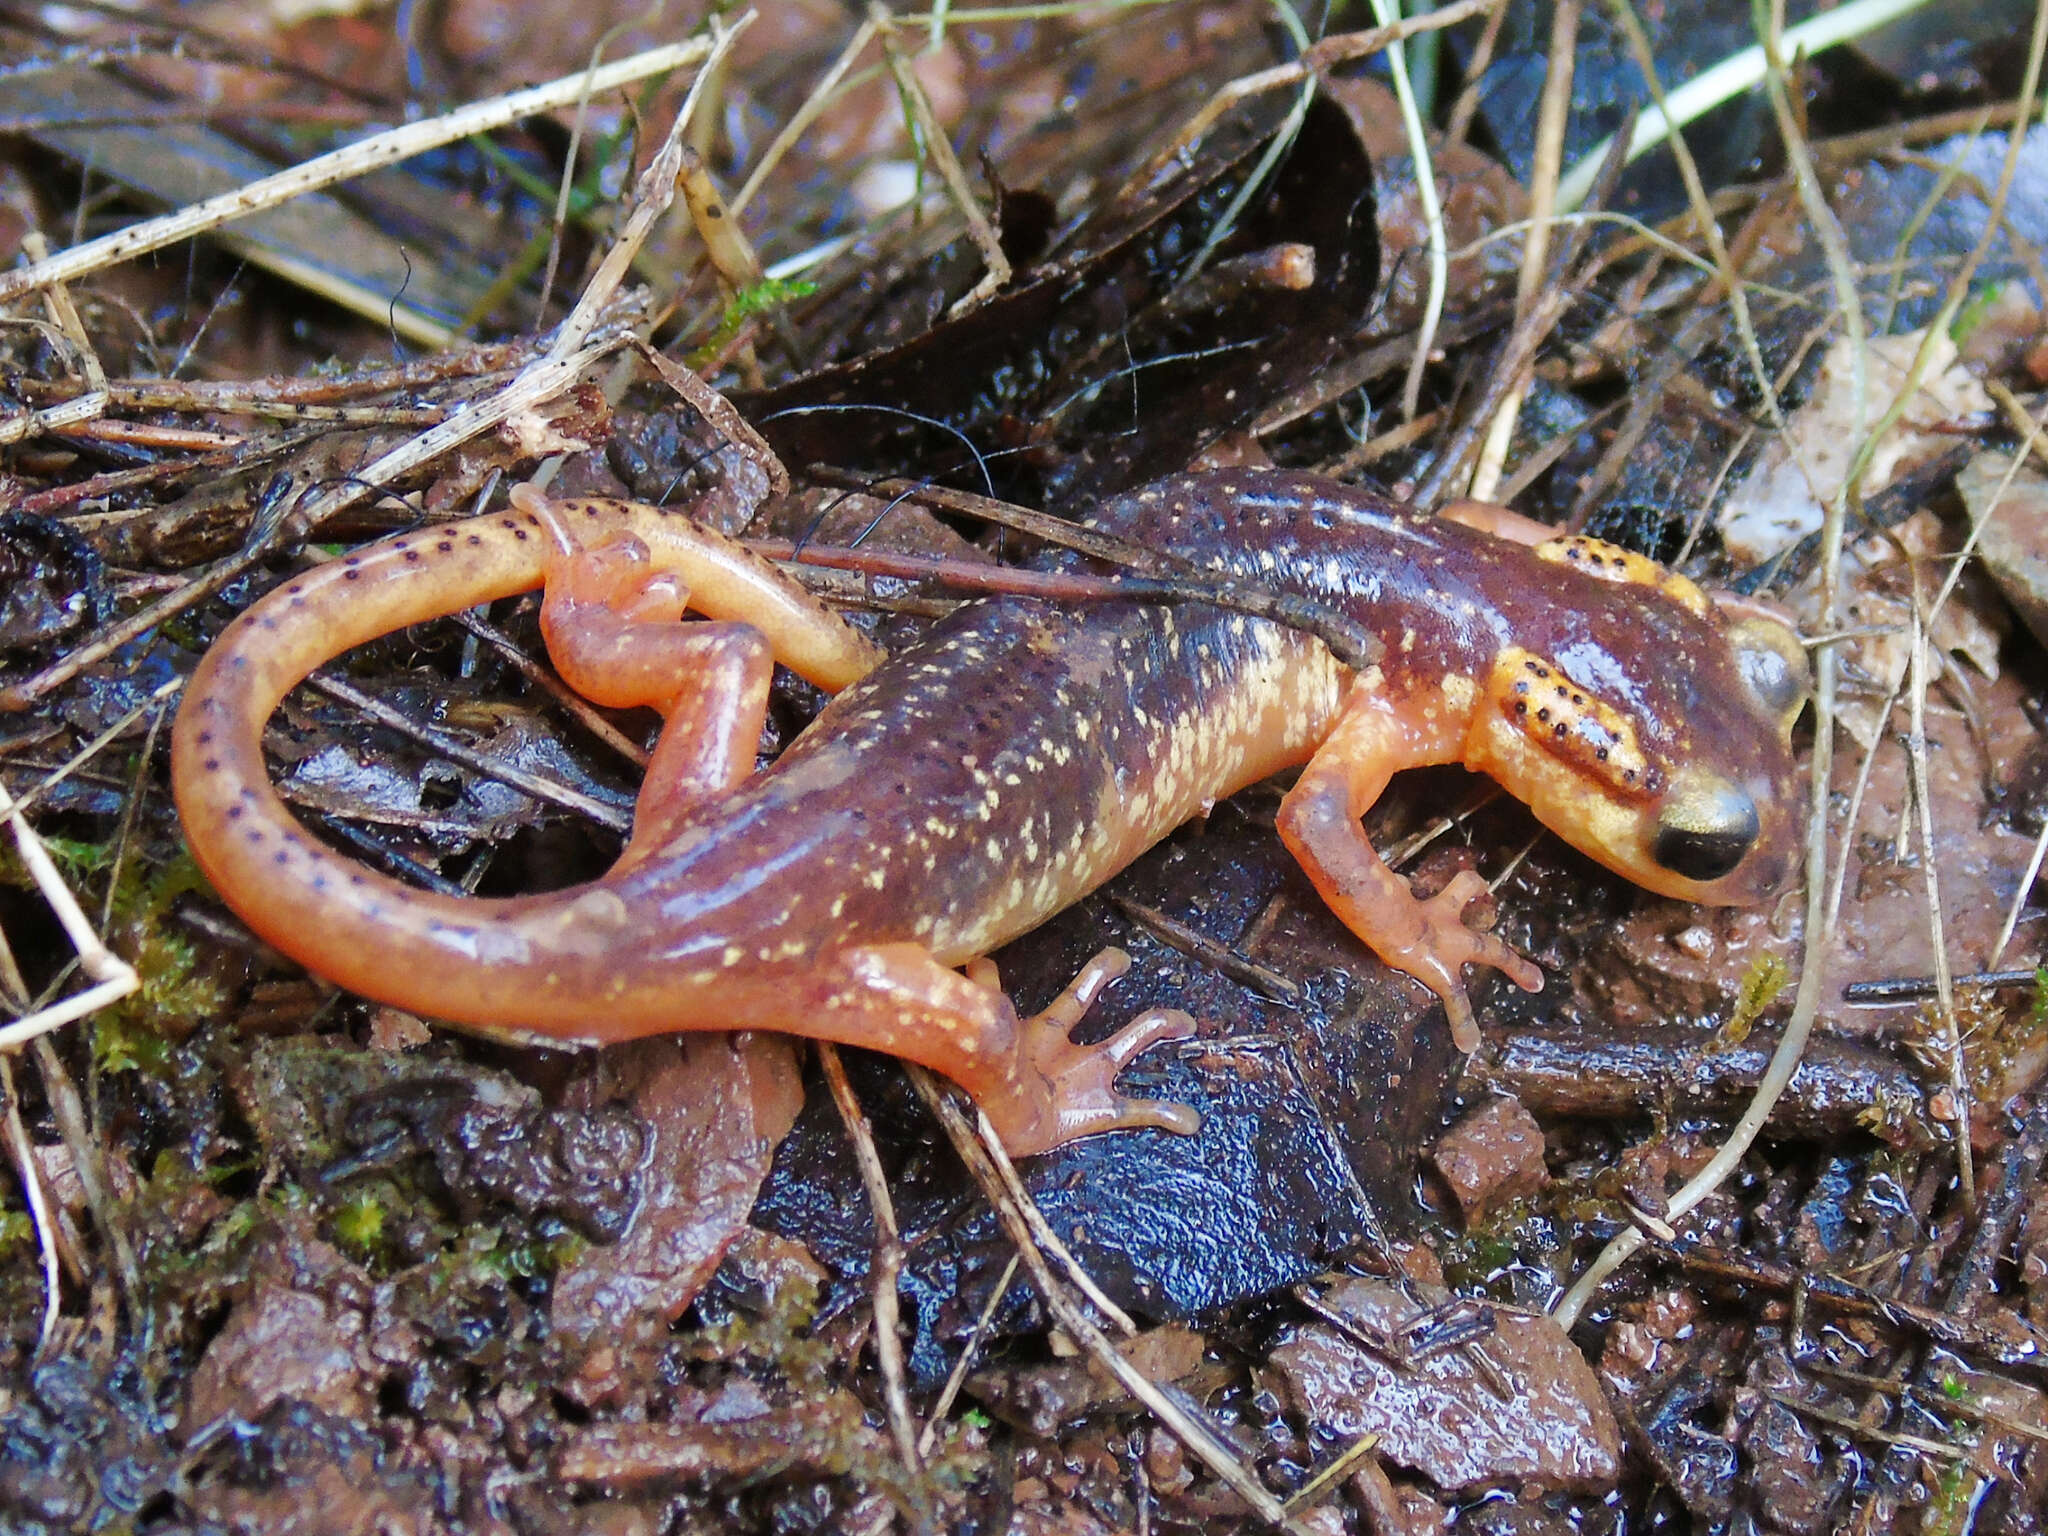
{"x":1083,"y":1075}
{"x":614,"y":631}
{"x":1036,"y":1086}
{"x":645,"y":561}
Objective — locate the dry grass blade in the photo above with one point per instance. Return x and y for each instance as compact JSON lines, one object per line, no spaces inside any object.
{"x":569,"y":354}
{"x":1923,"y":815}
{"x":1731,"y":77}
{"x":560,"y":693}
{"x":928,"y":1442}
{"x":93,"y":748}
{"x":1182,"y":1419}
{"x":1327,"y":1477}
{"x":1319,"y":57}
{"x":1167,"y":576}
{"x":537,"y":384}
{"x":652,"y":194}
{"x":340,"y":165}
{"x":1431,"y":206}
{"x":887,"y":1264}
{"x":821,"y":96}
{"x":1549,"y":158}
{"x":48,"y":1233}
{"x":2031,"y":435}
{"x":73,"y":340}
{"x":112,"y":977}
{"x":1857,"y":1429}
{"x":539,"y":786}
{"x":932,"y":141}
{"x":1047,"y":1240}
{"x":1702,"y":211}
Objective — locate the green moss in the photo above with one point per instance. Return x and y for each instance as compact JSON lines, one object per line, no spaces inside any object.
{"x":1761,"y":984}
{"x":1954,"y":1498}
{"x":118,"y":1046}
{"x":17,"y":1232}
{"x":768,"y":294}
{"x":171,"y":999}
{"x":359,"y":1224}
{"x":75,"y":859}
{"x":1973,"y":312}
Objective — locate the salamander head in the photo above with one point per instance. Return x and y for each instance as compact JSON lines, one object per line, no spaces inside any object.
{"x":1659,"y":744}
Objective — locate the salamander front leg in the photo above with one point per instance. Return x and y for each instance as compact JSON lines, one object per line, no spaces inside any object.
{"x":1036,"y":1086}
{"x":1319,"y":821}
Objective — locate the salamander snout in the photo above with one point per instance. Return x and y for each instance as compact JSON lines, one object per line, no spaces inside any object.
{"x":1706,"y":828}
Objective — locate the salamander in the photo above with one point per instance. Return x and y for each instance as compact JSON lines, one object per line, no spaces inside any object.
{"x":954,"y":795}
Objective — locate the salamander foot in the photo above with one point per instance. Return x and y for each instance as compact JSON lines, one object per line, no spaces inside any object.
{"x":1080,"y":1079}
{"x":1448,"y":944}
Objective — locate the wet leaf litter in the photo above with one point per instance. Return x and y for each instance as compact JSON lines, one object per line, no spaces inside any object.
{"x":273,"y":1250}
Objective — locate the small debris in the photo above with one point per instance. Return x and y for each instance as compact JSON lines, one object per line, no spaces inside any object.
{"x":1044,"y":1398}
{"x":1492,"y":1157}
{"x":2008,"y":507}
{"x":715,"y":1108}
{"x":299,"y":1332}
{"x":1444,"y":1415}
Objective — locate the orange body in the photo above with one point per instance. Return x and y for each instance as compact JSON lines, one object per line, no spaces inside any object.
{"x":956,"y":795}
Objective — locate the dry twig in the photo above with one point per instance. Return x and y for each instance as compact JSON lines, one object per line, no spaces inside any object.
{"x":352,"y":160}
{"x":887,"y":1264}
{"x":1184,"y":1420}
{"x":1549,"y":157}
{"x":112,"y":977}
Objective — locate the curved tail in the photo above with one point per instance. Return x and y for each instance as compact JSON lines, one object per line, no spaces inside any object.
{"x":537,"y":964}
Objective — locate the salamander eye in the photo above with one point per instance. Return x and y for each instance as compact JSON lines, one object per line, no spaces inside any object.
{"x":1706,"y":828}
{"x":1773,"y":664}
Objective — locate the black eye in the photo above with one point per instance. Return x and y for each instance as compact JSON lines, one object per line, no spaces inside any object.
{"x":1705,"y":831}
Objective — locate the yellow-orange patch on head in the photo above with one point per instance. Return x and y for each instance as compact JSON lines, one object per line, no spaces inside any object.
{"x":1610,"y":562}
{"x":1568,"y":723}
